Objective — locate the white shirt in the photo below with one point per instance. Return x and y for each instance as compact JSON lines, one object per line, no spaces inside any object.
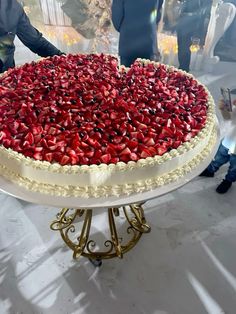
{"x":229,"y":141}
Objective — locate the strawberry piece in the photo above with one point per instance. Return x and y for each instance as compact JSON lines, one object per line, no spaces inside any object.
{"x":48,"y":157}
{"x":113,"y":115}
{"x":142,"y":126}
{"x":149,"y":141}
{"x":97,"y":154}
{"x":134,"y":135}
{"x":38,"y":156}
{"x":14,"y":126}
{"x":89,"y":153}
{"x":166,"y":132}
{"x":84,"y":160}
{"x":125,"y":158}
{"x":119,"y":147}
{"x":114,"y":160}
{"x":105,"y":158}
{"x":140,"y":136}
{"x":65,"y":160}
{"x":6,"y":142}
{"x":188,"y":136}
{"x":30,"y":138}
{"x":161,"y":150}
{"x":74,"y":160}
{"x":152,"y":151}
{"x":94,"y":143}
{"x":2,"y":135}
{"x":132,"y":144}
{"x":125,"y":151}
{"x":145,"y":153}
{"x":117,"y":139}
{"x":133,"y":156}
{"x":111,"y":150}
{"x":176,"y":144}
{"x":22,"y":127}
{"x":38,"y":149}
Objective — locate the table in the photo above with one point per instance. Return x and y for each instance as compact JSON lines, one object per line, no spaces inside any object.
{"x":75,"y":209}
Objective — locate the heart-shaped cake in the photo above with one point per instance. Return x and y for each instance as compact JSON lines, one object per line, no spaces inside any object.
{"x":79,"y":125}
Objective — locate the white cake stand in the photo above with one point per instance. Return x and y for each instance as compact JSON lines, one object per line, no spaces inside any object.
{"x":75,"y":208}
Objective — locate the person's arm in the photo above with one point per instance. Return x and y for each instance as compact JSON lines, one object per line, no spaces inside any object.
{"x":117,"y":13}
{"x":159,"y":10}
{"x":33,"y":39}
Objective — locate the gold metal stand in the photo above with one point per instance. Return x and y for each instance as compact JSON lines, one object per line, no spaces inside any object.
{"x":81,"y":244}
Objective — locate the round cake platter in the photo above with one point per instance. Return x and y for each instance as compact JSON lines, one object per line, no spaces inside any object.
{"x":75,"y":209}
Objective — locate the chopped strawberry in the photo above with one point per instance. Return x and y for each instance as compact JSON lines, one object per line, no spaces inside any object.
{"x":125,"y":151}
{"x":166,"y":132}
{"x":48,"y":157}
{"x":114,"y":160}
{"x":132,"y":144}
{"x":117,"y":139}
{"x":149,"y":141}
{"x":105,"y":158}
{"x":145,"y":153}
{"x":133,"y":157}
{"x":65,"y":160}
{"x":38,"y":156}
{"x":161,"y":150}
{"x":30,"y":138}
{"x":94,"y":143}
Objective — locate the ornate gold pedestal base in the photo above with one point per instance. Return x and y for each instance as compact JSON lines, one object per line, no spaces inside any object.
{"x":80,"y":242}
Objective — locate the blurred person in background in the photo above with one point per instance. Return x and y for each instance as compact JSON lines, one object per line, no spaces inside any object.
{"x":136,"y":21}
{"x":226,"y":47}
{"x":192,"y":24}
{"x":14,"y":22}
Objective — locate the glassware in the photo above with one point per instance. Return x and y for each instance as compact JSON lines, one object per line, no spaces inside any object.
{"x":195,"y":46}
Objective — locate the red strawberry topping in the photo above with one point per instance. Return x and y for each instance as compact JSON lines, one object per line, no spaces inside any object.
{"x":83,"y":110}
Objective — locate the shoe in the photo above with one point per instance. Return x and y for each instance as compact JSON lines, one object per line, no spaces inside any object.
{"x":223,"y":187}
{"x":207,"y":173}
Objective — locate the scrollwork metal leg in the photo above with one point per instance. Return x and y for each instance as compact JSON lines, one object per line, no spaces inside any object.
{"x":84,"y":236}
{"x":82,"y":245}
{"x":138,"y":222}
{"x":114,"y":236}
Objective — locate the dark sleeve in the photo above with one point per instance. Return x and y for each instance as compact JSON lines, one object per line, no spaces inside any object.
{"x":159,"y":10}
{"x":33,"y":39}
{"x":117,"y":13}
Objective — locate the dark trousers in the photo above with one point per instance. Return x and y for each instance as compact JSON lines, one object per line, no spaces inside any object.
{"x":222,"y":157}
{"x":184,"y":54}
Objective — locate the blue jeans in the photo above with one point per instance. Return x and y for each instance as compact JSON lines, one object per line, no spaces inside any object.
{"x":222,"y":157}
